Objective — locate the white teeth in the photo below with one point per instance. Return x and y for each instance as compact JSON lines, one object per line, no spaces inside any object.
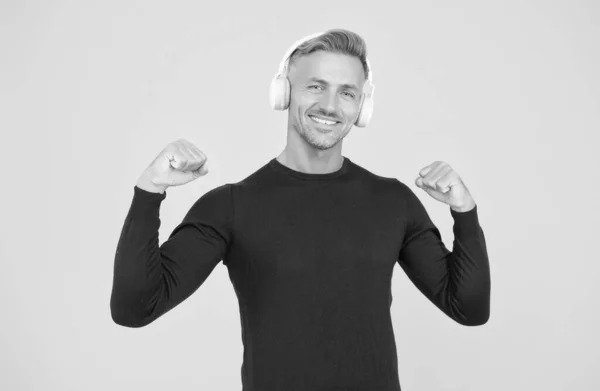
{"x":322,"y":121}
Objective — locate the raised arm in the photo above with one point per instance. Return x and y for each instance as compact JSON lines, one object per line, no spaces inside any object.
{"x":457,"y":282}
{"x":150,"y":280}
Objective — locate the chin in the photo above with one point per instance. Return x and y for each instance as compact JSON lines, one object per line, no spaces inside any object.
{"x":319,"y":140}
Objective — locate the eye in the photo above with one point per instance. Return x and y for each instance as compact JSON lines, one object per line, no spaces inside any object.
{"x":314,"y":86}
{"x":351,"y":95}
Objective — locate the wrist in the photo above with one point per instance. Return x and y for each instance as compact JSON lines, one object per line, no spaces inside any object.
{"x":463,"y":209}
{"x":145,"y":183}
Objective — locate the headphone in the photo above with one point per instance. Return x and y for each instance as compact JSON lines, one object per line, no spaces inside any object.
{"x":280,"y":87}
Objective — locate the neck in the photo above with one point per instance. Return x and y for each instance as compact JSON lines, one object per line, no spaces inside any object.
{"x":312,"y":162}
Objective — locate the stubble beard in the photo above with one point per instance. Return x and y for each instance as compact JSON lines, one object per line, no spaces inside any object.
{"x":316,"y":139}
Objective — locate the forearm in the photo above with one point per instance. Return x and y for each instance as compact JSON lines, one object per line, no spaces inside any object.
{"x":137,"y":265}
{"x":469,"y":282}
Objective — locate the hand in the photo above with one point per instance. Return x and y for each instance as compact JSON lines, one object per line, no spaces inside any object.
{"x":179,"y":163}
{"x":442,"y":183}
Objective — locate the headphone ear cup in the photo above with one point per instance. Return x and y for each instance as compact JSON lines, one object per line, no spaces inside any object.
{"x":366,"y":112}
{"x":280,"y":93}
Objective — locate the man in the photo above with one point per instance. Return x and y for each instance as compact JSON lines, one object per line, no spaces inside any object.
{"x":310,"y":239}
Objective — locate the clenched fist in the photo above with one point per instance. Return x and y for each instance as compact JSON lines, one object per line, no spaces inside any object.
{"x":179,"y":163}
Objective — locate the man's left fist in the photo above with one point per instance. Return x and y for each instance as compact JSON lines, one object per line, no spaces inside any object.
{"x":441,"y":182}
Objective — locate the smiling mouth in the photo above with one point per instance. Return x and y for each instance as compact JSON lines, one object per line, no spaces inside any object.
{"x":322,"y":121}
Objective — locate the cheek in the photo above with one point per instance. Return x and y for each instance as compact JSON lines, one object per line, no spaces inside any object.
{"x":297,"y":104}
{"x":350,"y":111}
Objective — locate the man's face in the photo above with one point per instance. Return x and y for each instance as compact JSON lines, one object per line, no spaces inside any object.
{"x":326,"y":87}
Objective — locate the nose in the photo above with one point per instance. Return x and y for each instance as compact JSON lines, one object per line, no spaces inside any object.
{"x":329,"y":102}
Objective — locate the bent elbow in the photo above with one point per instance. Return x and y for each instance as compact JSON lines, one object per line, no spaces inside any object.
{"x":128,"y":321}
{"x":478,"y":318}
{"x":128,"y":316}
{"x":125,"y":319}
{"x":475,"y":322}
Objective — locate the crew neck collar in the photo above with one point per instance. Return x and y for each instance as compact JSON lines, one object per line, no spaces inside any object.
{"x":282,"y":169}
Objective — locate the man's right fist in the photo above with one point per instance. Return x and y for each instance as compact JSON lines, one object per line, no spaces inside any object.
{"x":179,"y":163}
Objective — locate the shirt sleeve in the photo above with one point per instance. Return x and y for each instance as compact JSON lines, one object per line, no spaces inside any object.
{"x":150,"y":280}
{"x":457,"y":281}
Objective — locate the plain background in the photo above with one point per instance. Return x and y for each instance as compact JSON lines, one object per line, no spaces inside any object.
{"x":90,"y":92}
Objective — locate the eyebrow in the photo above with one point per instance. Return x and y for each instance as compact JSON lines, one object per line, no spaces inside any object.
{"x":351,"y":86}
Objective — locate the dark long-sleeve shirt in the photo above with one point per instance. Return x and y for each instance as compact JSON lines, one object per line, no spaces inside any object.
{"x":310,"y":257}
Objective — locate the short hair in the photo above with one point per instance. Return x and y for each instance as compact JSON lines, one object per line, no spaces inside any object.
{"x":337,"y":41}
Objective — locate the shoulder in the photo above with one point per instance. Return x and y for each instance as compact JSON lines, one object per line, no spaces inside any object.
{"x":216,"y":201}
{"x":389,"y":184}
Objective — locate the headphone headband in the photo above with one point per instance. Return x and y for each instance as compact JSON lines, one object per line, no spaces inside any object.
{"x":283,"y":65}
{"x":285,"y":61}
